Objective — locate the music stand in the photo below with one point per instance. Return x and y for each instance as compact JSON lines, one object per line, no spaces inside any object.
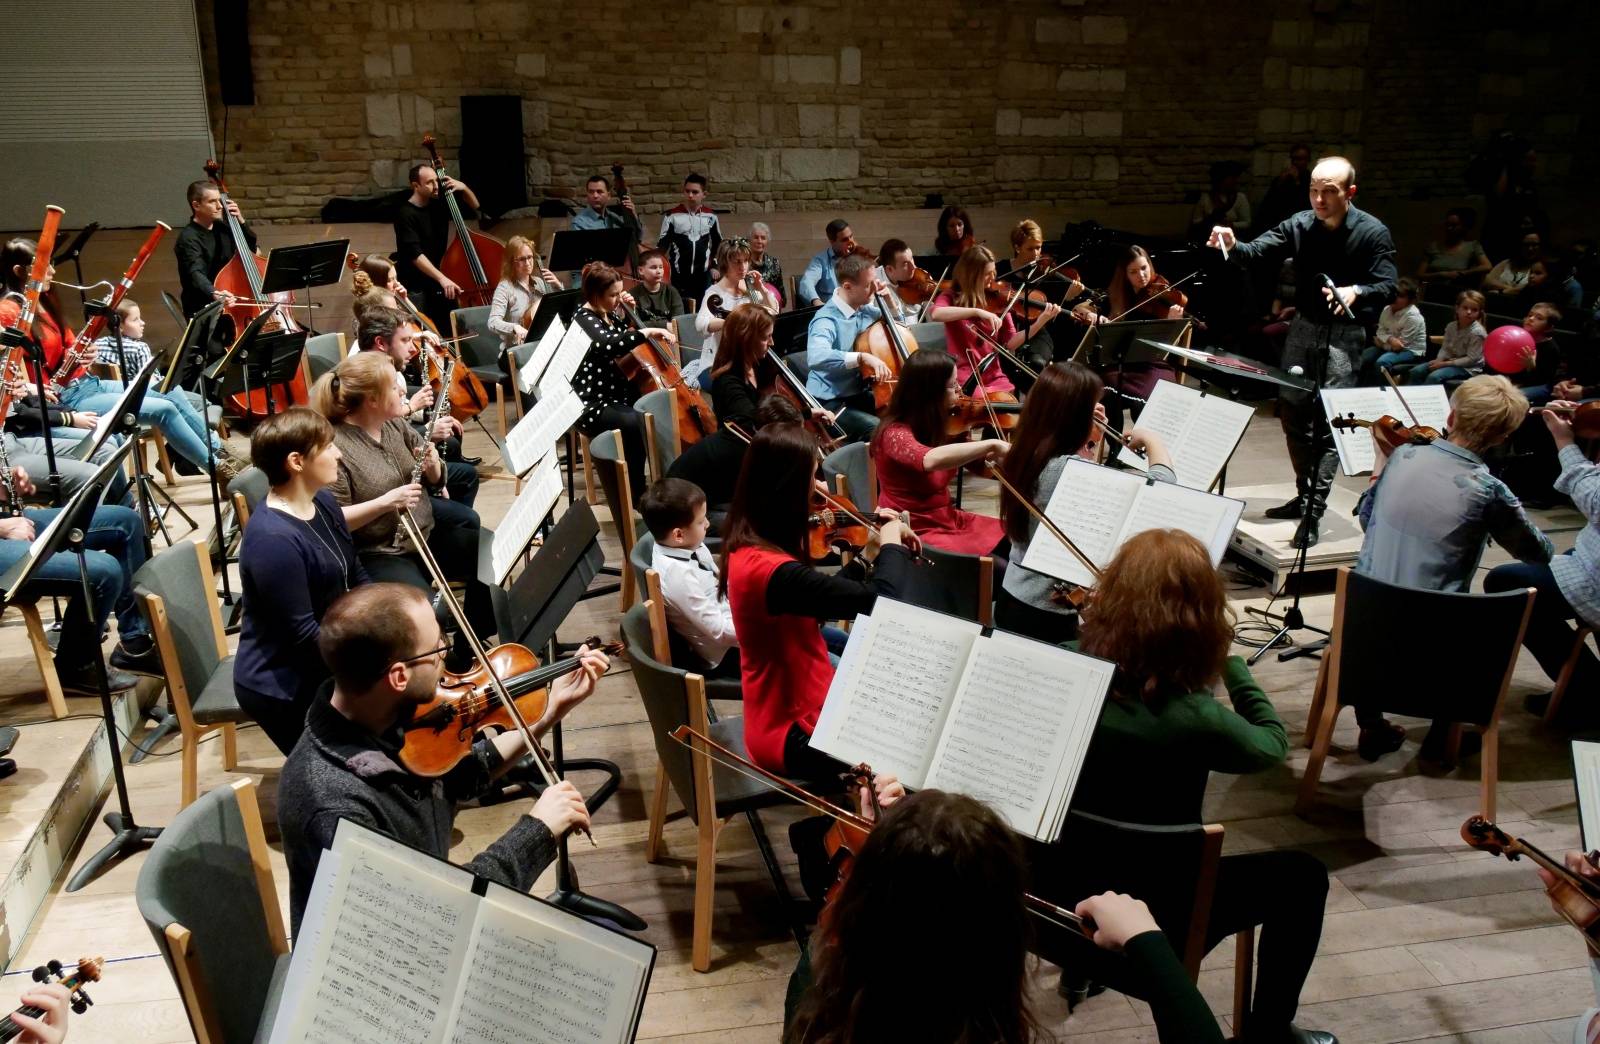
{"x":562,"y":303}
{"x":573,"y":248}
{"x":73,"y":252}
{"x":198,"y":334}
{"x":789,"y":330}
{"x":259,"y":361}
{"x":303,"y":267}
{"x":528,"y":612}
{"x":67,"y":532}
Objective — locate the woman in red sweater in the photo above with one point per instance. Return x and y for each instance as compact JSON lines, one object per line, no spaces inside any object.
{"x":779,"y":601}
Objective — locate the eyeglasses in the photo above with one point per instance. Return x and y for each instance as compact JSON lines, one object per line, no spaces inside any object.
{"x":439,"y":650}
{"x":526,"y":258}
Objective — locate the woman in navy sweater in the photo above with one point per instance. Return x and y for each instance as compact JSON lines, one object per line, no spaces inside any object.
{"x":297,"y":558}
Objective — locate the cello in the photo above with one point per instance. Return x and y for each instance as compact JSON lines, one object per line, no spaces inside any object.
{"x":241,"y":277}
{"x":471,"y":256}
{"x":890,"y":343}
{"x":651,"y":367}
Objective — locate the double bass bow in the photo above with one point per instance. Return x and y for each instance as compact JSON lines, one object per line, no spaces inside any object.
{"x":471,"y":256}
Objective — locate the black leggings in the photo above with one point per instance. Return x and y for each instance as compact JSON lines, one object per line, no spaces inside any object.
{"x":282,"y":720}
{"x":1013,"y":614}
{"x":630,"y":423}
{"x":800,"y":761}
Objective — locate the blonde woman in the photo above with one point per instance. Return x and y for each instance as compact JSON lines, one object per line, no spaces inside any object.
{"x":523,"y":281}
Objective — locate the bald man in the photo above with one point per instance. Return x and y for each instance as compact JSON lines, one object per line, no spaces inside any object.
{"x":1332,"y":242}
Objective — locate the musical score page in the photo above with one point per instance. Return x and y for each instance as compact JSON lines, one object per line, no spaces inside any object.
{"x":532,"y":371}
{"x":1430,"y":402}
{"x":1586,"y":780}
{"x":1201,"y":431}
{"x":893,"y":688}
{"x":569,"y":355}
{"x":1208,"y":518}
{"x":539,"y":494}
{"x":1090,"y":504}
{"x":535,"y":435}
{"x":1019,"y":728}
{"x":535,"y":975}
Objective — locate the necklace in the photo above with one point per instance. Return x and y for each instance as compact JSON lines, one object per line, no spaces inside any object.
{"x":344,"y":568}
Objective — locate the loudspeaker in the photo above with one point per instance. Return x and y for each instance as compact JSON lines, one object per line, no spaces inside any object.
{"x":232,"y":21}
{"x":492,"y":152}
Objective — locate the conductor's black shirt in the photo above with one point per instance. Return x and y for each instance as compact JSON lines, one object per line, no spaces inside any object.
{"x":1359,"y":253}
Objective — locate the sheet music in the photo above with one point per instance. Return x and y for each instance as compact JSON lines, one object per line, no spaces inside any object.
{"x":574,"y":346}
{"x":896,"y":680}
{"x":1586,"y":780}
{"x":529,"y":375}
{"x":1090,"y":504}
{"x":301,"y":971}
{"x":1019,"y":728}
{"x":1429,"y":402}
{"x":387,"y":954}
{"x":1208,"y":518}
{"x":536,"y":433}
{"x":540,"y":491}
{"x":1201,"y":431}
{"x":532,"y":977}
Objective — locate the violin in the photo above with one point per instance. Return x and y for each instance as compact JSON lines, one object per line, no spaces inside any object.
{"x":835,"y":524}
{"x":1584,"y":417}
{"x":1575,"y":897}
{"x":471,"y":257}
{"x":997,"y":409}
{"x":919,"y":287}
{"x":241,"y":277}
{"x":1389,"y":431}
{"x":845,"y":839}
{"x":442,"y":731}
{"x":88,"y":970}
{"x":888,"y":341}
{"x":1062,"y":593}
{"x":651,"y":367}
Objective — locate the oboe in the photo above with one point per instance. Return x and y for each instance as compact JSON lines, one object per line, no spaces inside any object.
{"x":97,"y":323}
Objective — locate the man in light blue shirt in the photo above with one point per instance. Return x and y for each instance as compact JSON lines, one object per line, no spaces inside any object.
{"x":818,"y":280}
{"x":835,"y":377}
{"x":598,"y":212}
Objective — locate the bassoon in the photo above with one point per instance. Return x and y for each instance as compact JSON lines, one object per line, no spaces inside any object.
{"x":97,"y":323}
{"x":30,"y":310}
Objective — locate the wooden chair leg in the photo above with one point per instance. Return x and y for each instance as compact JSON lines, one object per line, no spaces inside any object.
{"x":45,"y":657}
{"x":230,"y":747}
{"x":588,"y":472}
{"x":1319,"y":754}
{"x":1567,"y":669}
{"x":1243,"y":975}
{"x":658,"y":815}
{"x":1491,"y":771}
{"x":500,"y":405}
{"x":1319,"y":695}
{"x":705,"y":887}
{"x":191,"y":771}
{"x":163,"y":457}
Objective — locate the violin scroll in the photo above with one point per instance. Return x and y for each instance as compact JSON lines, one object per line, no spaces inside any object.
{"x":1483,"y":835}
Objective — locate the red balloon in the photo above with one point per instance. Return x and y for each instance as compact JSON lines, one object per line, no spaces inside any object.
{"x":1509,"y":350}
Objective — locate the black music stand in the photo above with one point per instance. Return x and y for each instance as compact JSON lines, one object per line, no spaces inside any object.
{"x":303,"y":267}
{"x":573,"y":248}
{"x":67,"y":532}
{"x":259,"y":361}
{"x":789,"y":330}
{"x":73,"y":252}
{"x":528,"y":612}
{"x":563,"y":303}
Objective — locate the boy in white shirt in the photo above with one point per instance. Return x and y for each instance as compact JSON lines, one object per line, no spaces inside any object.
{"x":1402,"y":336}
{"x":700,"y":621}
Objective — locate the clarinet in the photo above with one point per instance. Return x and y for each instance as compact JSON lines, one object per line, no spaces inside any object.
{"x":441,"y":402}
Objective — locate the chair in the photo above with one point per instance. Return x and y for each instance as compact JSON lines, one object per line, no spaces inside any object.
{"x":611,"y":466}
{"x":178,"y":593}
{"x":207,"y":895}
{"x":1567,"y":668}
{"x":930,"y":335}
{"x":798,"y":365}
{"x":1172,"y":868}
{"x":961,"y":585}
{"x":323,"y":353}
{"x":247,"y":490}
{"x":710,"y":793}
{"x":43,"y":655}
{"x":855,"y":474}
{"x":668,"y":646}
{"x":482,"y":352}
{"x":1467,"y":687}
{"x":660,"y":409}
{"x":689,"y":337}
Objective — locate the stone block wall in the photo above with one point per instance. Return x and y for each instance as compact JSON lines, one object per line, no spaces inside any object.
{"x":828,"y":103}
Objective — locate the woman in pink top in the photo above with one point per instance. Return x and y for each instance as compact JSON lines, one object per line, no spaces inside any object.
{"x":962,"y":311}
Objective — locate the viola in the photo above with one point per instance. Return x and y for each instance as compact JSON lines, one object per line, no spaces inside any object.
{"x":835,"y":524}
{"x":241,"y":277}
{"x":889,"y":342}
{"x":87,"y":970}
{"x":1390,"y":432}
{"x":997,"y":409}
{"x":472,"y":260}
{"x":1575,"y":897}
{"x":651,"y":367}
{"x":441,"y":732}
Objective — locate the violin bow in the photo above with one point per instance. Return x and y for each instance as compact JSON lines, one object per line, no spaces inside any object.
{"x":1045,"y":520}
{"x":1401,"y":396}
{"x":547,"y":768}
{"x":983,"y":390}
{"x":1171,"y":287}
{"x":927,"y":306}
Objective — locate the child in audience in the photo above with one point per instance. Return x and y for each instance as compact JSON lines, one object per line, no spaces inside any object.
{"x":1402,"y":335}
{"x":656,"y":300}
{"x":701,"y":622}
{"x":1461,"y":355}
{"x":1541,"y":377}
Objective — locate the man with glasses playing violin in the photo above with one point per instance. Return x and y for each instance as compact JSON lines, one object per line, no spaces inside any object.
{"x":383,"y":644}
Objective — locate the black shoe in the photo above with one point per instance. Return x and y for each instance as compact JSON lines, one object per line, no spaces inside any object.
{"x":8,"y":739}
{"x":474,"y":461}
{"x":1293,"y":1035}
{"x":1378,"y":740}
{"x":1074,"y":989}
{"x":1307,"y":534}
{"x":8,"y":767}
{"x":85,"y":680}
{"x":1435,"y":752}
{"x":147,"y":662}
{"x":1290,"y":510}
{"x":1536,"y":703}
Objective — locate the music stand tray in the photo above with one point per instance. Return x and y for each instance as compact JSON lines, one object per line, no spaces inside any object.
{"x":305,"y":265}
{"x":197,"y":335}
{"x":573,"y":248}
{"x":258,"y":361}
{"x":563,"y":304}
{"x":1115,"y":344}
{"x":1233,"y":365}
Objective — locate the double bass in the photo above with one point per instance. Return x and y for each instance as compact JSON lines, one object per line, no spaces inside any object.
{"x":472,"y":260}
{"x":241,"y":277}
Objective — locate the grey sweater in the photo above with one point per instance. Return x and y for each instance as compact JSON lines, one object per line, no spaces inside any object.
{"x":339,"y":770}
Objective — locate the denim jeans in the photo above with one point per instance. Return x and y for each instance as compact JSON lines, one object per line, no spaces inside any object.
{"x":182,"y":425}
{"x":1550,"y":633}
{"x":115,"y":552}
{"x":855,"y":416}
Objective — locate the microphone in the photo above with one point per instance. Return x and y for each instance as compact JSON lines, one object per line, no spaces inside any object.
{"x":1337,"y":304}
{"x":1297,"y":371}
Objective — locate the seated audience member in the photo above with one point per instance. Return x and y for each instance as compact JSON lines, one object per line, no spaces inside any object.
{"x":700,"y":620}
{"x":656,"y":300}
{"x":383,"y":646}
{"x":1224,"y":204}
{"x":1290,"y":189}
{"x":818,"y":280}
{"x":1546,"y":368}
{"x":297,"y":558}
{"x":1429,"y":511}
{"x":1461,"y":347}
{"x":1455,"y":260}
{"x":1568,"y":584}
{"x":763,"y":260}
{"x":835,"y":375}
{"x":955,"y":232}
{"x":1511,"y":274}
{"x":1402,"y":335}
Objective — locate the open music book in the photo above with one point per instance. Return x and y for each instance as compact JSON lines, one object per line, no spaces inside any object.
{"x":539,"y":495}
{"x":1586,"y":781}
{"x":937,"y":702}
{"x":532,"y":372}
{"x":1201,"y":431}
{"x":397,"y":947}
{"x":1429,"y":402}
{"x":1100,"y":508}
{"x":569,"y":355}
{"x":535,"y":435}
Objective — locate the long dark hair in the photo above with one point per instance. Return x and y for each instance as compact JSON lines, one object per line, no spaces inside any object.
{"x":942,"y":243}
{"x":1056,"y":418}
{"x":773,"y":497}
{"x":22,"y":252}
{"x":928,"y":938}
{"x":918,"y":400}
{"x":743,"y":341}
{"x":1120,"y":294}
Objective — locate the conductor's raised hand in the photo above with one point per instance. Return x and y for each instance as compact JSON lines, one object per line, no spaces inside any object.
{"x":1222,"y":238}
{"x":561,"y":808}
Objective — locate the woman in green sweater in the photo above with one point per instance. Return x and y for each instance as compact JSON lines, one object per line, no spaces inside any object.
{"x":1160,"y":613}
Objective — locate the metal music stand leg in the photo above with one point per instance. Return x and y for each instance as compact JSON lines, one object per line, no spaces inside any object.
{"x":567,"y":893}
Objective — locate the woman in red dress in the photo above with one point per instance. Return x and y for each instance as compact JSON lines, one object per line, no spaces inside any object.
{"x":963,"y":311}
{"x":916,"y":459}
